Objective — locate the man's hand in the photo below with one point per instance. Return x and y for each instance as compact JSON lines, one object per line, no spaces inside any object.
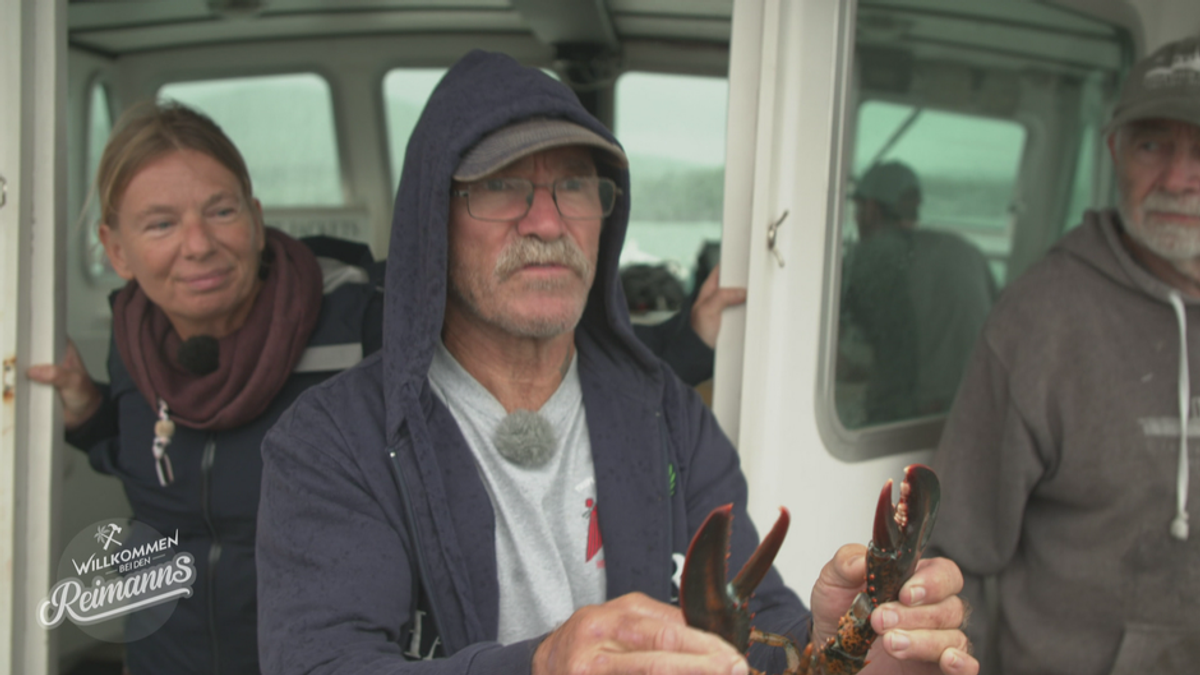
{"x":919,"y":634}
{"x":634,"y":634}
{"x":710,"y":302}
{"x":81,"y":399}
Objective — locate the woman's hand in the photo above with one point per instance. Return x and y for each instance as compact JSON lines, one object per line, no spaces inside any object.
{"x":711,"y":301}
{"x":921,"y":633}
{"x":81,"y":399}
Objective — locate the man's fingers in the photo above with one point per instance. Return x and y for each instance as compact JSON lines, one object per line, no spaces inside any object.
{"x":662,"y":663}
{"x":948,"y":614}
{"x":930,"y":646}
{"x":925,"y":626}
{"x":848,"y":569}
{"x":958,"y":662}
{"x":650,"y":634}
{"x":839,"y":581}
{"x":644,"y":606}
{"x":935,"y":580}
{"x":595,"y":638}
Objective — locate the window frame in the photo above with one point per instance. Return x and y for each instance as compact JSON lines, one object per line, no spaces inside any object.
{"x":340,"y":136}
{"x":918,"y":433}
{"x":687,"y":263}
{"x":89,"y":237}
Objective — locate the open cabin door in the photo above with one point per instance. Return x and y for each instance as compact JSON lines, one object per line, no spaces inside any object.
{"x":32,"y":225}
{"x":788,"y":71}
{"x":997,"y":107}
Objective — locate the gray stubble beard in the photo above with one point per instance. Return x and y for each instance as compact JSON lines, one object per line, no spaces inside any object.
{"x":522,"y":252}
{"x":1178,"y":245}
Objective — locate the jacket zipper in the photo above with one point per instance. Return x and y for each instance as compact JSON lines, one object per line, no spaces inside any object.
{"x":422,"y":565}
{"x":214,"y":551}
{"x":664,"y":439}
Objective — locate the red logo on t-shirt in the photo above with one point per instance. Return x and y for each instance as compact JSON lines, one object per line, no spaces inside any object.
{"x":594,"y":542}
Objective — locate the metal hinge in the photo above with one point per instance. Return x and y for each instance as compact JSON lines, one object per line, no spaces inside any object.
{"x":10,"y":379}
{"x":772,"y":233}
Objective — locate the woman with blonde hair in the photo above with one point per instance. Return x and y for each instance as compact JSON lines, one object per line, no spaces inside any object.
{"x":213,"y":338}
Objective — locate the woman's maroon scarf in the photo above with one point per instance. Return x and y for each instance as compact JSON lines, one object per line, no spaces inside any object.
{"x":254,"y":361}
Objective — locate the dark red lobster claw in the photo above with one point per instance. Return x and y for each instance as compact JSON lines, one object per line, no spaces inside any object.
{"x":707,"y":600}
{"x":902,"y":531}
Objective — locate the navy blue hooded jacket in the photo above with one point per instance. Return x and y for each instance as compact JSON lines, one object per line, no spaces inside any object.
{"x":376,"y":541}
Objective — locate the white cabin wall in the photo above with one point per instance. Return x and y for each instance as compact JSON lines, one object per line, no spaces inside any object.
{"x":1167,"y":20}
{"x":1152,"y":23}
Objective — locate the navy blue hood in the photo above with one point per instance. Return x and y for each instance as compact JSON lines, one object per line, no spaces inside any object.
{"x":481,"y":93}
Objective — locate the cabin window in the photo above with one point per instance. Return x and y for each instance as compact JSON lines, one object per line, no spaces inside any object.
{"x":99,"y":126}
{"x":1091,"y":161}
{"x":405,"y":91}
{"x":970,"y":146}
{"x":283,"y":126}
{"x":926,"y":238}
{"x":966,"y":166}
{"x":673,"y":130}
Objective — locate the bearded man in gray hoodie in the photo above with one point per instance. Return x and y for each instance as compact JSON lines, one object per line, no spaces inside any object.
{"x":1065,"y":472}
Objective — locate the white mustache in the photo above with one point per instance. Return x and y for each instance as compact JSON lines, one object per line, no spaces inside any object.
{"x":1165,"y":202}
{"x":534,"y":251}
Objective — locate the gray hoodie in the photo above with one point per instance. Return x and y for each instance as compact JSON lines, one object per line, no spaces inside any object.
{"x":1063,"y":468}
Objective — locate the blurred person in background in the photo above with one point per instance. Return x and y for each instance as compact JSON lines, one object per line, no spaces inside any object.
{"x":919,"y":297}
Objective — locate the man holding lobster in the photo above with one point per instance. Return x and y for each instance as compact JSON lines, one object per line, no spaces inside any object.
{"x":510,"y":484}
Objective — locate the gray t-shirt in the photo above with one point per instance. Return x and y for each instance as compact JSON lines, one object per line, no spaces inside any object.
{"x":549,"y":556}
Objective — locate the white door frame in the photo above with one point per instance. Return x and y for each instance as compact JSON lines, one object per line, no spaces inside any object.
{"x":32,"y":311}
{"x":789,"y":72}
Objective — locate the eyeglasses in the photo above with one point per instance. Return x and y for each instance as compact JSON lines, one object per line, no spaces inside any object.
{"x":576,"y":197}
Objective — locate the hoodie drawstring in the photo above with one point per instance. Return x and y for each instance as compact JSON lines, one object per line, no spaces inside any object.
{"x":1179,"y":526}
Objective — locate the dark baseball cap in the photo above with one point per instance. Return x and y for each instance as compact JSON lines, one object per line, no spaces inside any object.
{"x":1164,"y":85}
{"x":888,"y":183}
{"x":515,"y":141}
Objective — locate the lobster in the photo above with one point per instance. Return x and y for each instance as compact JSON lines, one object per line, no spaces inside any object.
{"x":901,"y":533}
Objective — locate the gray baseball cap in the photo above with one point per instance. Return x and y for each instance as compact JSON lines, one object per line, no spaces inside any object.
{"x":1164,"y":85}
{"x":888,"y":183}
{"x":508,"y":144}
